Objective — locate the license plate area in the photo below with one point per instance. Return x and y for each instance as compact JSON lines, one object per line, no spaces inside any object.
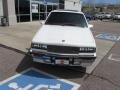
{"x":62,"y":61}
{"x":55,"y":60}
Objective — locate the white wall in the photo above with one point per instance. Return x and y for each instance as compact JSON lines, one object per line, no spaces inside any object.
{"x":1,"y":8}
{"x":73,"y":4}
{"x":9,"y":11}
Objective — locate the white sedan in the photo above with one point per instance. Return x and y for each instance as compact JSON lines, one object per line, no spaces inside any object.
{"x":116,"y":16}
{"x":64,"y":39}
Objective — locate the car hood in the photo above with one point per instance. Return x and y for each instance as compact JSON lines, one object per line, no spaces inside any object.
{"x":65,"y":36}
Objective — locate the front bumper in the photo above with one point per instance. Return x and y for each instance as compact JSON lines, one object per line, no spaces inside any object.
{"x":83,"y":60}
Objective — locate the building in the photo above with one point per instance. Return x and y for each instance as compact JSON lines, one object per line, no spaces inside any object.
{"x":73,"y":4}
{"x":1,"y":10}
{"x":30,"y":10}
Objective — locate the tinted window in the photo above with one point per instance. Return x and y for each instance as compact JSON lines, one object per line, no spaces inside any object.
{"x":66,"y":19}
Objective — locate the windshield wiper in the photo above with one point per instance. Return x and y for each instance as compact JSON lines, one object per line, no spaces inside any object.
{"x":68,"y":24}
{"x":50,"y":23}
{"x":53,"y":23}
{"x":64,"y":24}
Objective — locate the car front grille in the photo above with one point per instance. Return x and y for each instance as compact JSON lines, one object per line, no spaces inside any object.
{"x":63,"y":49}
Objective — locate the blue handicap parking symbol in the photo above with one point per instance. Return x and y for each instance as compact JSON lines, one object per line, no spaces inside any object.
{"x":33,"y":79}
{"x":108,"y":36}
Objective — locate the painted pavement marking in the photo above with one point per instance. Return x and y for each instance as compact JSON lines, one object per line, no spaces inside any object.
{"x":33,"y":79}
{"x":114,"y":57}
{"x":114,"y":37}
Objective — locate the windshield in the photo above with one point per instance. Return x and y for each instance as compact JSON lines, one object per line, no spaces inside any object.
{"x":66,"y":19}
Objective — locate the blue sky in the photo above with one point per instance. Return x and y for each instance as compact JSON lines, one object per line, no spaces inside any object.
{"x":103,"y":1}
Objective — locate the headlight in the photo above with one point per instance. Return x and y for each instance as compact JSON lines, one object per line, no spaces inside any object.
{"x":39,"y":46}
{"x":87,"y":49}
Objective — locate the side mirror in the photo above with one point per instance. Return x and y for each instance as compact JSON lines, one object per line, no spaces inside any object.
{"x":90,"y":25}
{"x":42,"y":22}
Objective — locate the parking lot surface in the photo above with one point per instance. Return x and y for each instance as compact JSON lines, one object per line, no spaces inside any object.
{"x":105,"y":72}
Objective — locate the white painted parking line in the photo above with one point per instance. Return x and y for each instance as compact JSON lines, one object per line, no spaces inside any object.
{"x":114,"y":57}
{"x":93,"y":66}
{"x":103,"y":48}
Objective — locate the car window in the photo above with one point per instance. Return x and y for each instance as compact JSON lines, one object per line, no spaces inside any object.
{"x":118,"y":14}
{"x":66,"y":19}
{"x":102,"y":13}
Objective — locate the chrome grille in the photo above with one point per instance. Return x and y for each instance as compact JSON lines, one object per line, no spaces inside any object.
{"x":63,"y":49}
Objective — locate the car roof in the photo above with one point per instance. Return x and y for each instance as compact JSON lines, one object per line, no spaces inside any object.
{"x":70,"y":11}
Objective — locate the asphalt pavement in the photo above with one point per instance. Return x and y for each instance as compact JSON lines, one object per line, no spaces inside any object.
{"x":105,"y":76}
